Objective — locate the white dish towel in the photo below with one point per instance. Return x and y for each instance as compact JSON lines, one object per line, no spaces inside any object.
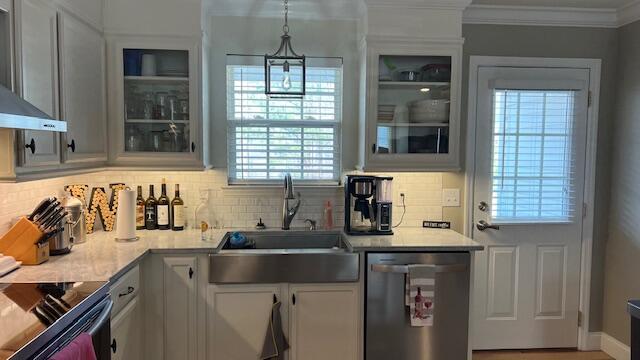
{"x":420,"y":278}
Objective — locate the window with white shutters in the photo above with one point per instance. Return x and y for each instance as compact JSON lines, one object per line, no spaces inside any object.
{"x":269,"y":137}
{"x":533,"y":156}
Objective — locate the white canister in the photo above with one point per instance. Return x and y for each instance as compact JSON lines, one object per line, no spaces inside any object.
{"x":148,"y":65}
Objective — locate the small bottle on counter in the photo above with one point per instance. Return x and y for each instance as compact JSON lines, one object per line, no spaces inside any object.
{"x":140,"y":210}
{"x":150,"y":211}
{"x":177,"y":211}
{"x":163,"y":208}
{"x":327,"y":216}
{"x":203,"y":216}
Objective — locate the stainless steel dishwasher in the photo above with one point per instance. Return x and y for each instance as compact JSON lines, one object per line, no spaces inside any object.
{"x":389,"y":334}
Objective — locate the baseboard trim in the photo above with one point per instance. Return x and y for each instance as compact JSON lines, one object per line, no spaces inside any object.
{"x":593,"y":342}
{"x":614,"y":348}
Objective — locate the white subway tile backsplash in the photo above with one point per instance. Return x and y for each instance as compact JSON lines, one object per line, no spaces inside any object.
{"x":234,"y":207}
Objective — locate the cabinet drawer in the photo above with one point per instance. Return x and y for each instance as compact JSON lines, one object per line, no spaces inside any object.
{"x":125,"y":289}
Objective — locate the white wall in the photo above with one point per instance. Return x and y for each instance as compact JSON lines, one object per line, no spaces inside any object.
{"x":153,"y":17}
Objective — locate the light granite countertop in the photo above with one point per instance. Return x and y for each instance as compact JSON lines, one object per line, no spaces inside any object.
{"x":101,"y":258}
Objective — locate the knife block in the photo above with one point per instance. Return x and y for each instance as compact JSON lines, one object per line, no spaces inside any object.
{"x":21,"y":242}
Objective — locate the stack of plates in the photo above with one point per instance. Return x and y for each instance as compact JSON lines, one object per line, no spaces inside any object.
{"x":385,"y":113}
{"x":8,"y":264}
{"x":429,"y":110}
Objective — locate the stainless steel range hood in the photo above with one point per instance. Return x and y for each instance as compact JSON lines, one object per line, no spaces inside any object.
{"x":16,"y":113}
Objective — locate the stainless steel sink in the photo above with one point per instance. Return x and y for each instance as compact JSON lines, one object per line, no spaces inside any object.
{"x":285,"y":256}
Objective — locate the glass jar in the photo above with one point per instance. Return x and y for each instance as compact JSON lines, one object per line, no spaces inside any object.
{"x":148,"y":105}
{"x":162,"y":105}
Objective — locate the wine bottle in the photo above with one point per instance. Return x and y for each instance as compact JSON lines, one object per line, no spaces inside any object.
{"x":163,"y":208}
{"x":151,"y":211}
{"x":177,"y":211}
{"x":140,"y":210}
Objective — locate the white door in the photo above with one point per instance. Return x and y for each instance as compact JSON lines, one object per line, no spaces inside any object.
{"x":528,"y":196}
{"x":238,"y":318}
{"x":180,"y":301}
{"x":324,"y":321}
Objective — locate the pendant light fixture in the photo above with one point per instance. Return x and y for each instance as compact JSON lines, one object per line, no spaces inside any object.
{"x":285,"y":66}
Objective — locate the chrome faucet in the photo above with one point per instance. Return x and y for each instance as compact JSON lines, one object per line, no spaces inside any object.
{"x":288,"y":213}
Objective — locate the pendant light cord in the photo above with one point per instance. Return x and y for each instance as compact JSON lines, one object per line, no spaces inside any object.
{"x":285,"y":27}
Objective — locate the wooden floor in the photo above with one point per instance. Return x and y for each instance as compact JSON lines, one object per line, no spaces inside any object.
{"x":540,"y":355}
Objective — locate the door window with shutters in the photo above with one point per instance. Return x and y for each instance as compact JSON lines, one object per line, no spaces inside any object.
{"x":270,"y":136}
{"x":533,"y":156}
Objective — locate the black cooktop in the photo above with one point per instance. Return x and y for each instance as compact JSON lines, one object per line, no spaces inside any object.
{"x":29,"y":310}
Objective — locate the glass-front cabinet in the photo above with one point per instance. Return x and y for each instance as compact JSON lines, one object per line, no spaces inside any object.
{"x":411,"y":116}
{"x":159,"y":119}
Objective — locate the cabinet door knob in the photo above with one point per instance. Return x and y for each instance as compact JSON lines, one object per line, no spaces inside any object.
{"x":72,"y":146}
{"x":193,"y":146}
{"x":373,"y":148}
{"x":130,"y":290}
{"x":293,"y":298}
{"x":114,"y":346}
{"x":31,"y":145}
{"x":190,"y":273}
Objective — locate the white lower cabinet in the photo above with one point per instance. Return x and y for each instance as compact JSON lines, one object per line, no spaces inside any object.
{"x":126,"y":339}
{"x":180,"y":308}
{"x":319,"y":320}
{"x":323,"y":322}
{"x":237,"y":318}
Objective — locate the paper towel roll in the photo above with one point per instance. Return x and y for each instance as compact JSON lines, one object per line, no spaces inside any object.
{"x":126,"y":216}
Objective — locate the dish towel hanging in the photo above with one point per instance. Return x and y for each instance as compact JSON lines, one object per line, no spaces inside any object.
{"x":81,"y":348}
{"x":275,"y":344}
{"x":420,"y":286}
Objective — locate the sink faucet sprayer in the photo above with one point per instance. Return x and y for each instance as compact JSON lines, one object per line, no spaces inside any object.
{"x":288,"y":213}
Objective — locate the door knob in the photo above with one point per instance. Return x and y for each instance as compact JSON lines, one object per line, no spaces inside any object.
{"x":72,"y":146}
{"x":31,"y":145}
{"x":483,"y":225}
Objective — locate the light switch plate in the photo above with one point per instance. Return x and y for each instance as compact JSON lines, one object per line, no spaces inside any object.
{"x":450,"y":197}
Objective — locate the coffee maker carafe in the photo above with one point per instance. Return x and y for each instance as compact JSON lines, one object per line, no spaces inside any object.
{"x":368,"y":204}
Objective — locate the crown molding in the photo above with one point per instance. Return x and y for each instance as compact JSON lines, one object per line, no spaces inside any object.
{"x":472,"y":14}
{"x":629,"y":13}
{"x":540,"y":16}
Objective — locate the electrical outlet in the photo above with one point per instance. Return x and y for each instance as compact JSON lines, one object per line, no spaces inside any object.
{"x":450,"y":197}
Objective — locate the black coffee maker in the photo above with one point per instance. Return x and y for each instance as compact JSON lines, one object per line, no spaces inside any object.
{"x":368,"y":205}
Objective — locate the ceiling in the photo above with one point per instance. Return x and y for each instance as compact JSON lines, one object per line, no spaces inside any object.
{"x":592,"y":4}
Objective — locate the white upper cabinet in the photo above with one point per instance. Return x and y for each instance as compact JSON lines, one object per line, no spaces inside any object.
{"x":59,"y":68}
{"x":37,"y":34}
{"x":157,"y":119}
{"x":410,"y":112}
{"x":82,"y":80}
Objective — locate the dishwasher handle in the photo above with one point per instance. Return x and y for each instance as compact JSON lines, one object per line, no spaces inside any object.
{"x":404,"y":269}
{"x":102,"y":318}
